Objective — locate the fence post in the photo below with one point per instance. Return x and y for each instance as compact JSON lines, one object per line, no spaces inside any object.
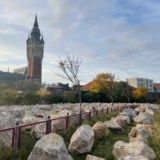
{"x":49,"y":125}
{"x":80,"y":118}
{"x":16,"y":140}
{"x":97,"y":113}
{"x":67,"y":120}
{"x":107,"y":110}
{"x":102,"y":111}
{"x":89,"y":115}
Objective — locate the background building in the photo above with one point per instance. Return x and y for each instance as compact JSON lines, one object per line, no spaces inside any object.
{"x":136,"y":82}
{"x":22,"y":71}
{"x":7,"y":77}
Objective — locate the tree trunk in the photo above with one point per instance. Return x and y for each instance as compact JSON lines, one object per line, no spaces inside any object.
{"x":80,"y":101}
{"x":112,"y":100}
{"x":128,"y":99}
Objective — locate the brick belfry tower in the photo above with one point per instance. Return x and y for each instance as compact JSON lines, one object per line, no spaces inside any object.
{"x":35,"y":49}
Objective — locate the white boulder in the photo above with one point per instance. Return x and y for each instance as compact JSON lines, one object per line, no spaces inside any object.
{"x":122,"y":149}
{"x":139,"y":134}
{"x":82,"y":140}
{"x":100,"y":130}
{"x":50,"y":147}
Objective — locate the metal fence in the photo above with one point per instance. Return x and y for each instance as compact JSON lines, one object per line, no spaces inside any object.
{"x":13,"y":139}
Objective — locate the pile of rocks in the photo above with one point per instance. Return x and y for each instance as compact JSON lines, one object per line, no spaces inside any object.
{"x":52,"y":146}
{"x":139,"y":136}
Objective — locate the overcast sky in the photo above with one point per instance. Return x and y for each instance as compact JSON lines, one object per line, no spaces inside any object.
{"x":118,"y":36}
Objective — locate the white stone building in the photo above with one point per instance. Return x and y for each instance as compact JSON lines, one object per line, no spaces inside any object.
{"x":145,"y":82}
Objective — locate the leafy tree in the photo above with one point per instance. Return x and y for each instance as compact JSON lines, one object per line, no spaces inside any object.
{"x":94,"y":97}
{"x":26,"y":86}
{"x":104,"y":83}
{"x":9,"y":97}
{"x":140,"y":93}
{"x":69,"y":70}
{"x":158,"y":102}
{"x":124,"y":89}
{"x":5,"y":86}
{"x":70,"y":96}
{"x":54,"y":98}
{"x":30,"y":98}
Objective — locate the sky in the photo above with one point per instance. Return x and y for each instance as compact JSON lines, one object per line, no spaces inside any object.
{"x":117,"y":36}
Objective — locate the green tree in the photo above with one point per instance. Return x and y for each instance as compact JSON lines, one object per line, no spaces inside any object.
{"x":54,"y":98}
{"x":26,"y":86}
{"x":104,"y":83}
{"x":30,"y":98}
{"x":71,"y":96}
{"x":94,"y":97}
{"x":125,"y":90}
{"x":9,"y":97}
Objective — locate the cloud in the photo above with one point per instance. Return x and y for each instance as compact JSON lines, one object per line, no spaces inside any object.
{"x":116,"y":36}
{"x":10,"y":31}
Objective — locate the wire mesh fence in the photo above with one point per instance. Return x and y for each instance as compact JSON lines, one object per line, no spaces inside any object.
{"x":7,"y":143}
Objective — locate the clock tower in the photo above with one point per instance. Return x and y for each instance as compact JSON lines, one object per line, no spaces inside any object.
{"x":35,"y":49}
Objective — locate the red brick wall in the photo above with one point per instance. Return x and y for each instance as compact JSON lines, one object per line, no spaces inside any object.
{"x":34,"y":68}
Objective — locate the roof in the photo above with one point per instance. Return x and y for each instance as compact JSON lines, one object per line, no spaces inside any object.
{"x":87,"y":86}
{"x":156,"y":85}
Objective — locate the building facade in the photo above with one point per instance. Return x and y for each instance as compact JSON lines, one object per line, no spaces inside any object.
{"x":22,"y":71}
{"x":8,"y":77}
{"x":145,"y":82}
{"x":35,"y":50}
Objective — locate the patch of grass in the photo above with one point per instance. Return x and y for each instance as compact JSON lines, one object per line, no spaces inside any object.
{"x":27,"y":144}
{"x":155,"y":139}
{"x":6,"y":153}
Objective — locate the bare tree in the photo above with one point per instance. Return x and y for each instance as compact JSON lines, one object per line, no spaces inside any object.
{"x":70,"y":68}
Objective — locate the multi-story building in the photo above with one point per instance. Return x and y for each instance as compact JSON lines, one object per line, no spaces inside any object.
{"x":22,"y":70}
{"x":145,"y":82}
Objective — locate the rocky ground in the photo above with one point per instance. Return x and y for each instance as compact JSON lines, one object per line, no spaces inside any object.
{"x":52,"y":146}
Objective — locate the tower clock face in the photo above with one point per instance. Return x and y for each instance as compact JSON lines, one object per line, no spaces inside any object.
{"x":38,"y":51}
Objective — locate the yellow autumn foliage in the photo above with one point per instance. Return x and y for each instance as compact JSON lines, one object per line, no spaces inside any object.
{"x":140,"y":92}
{"x":43,"y":94}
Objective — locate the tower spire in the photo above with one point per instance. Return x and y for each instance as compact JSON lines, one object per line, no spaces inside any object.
{"x":35,"y":22}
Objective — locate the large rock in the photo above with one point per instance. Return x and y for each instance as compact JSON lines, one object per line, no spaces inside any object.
{"x":100,"y":130}
{"x":154,"y":109}
{"x":90,"y":157}
{"x":17,"y":112}
{"x":144,"y":118}
{"x":121,"y":120}
{"x":130,"y":111}
{"x":50,"y":147}
{"x":150,"y":112}
{"x":139,"y":134}
{"x":122,"y":149}
{"x":114,"y":126}
{"x":6,"y":120}
{"x":150,"y":128}
{"x":82,"y":140}
{"x":139,"y":109}
{"x":134,"y":157}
